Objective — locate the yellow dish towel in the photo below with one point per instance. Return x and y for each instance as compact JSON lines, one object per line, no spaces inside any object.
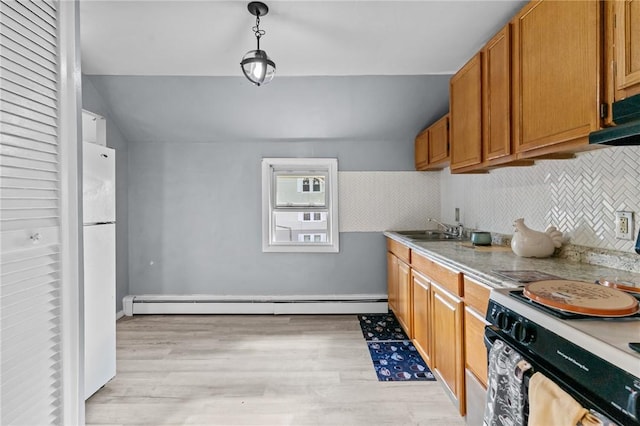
{"x":551,"y":406}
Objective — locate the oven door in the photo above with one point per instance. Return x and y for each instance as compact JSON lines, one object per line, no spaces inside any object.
{"x":585,"y":397}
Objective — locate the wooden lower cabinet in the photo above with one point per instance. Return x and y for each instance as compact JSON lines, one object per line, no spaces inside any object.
{"x":476,"y":299}
{"x":403,"y":310}
{"x":475,"y":351}
{"x":447,"y":353}
{"x":446,"y":328}
{"x":392,"y":281}
{"x":421,"y":288}
{"x":399,"y":283}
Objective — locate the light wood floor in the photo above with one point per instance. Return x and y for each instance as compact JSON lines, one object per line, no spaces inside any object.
{"x":256,"y":370}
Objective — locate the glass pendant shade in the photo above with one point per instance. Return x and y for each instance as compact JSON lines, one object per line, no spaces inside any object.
{"x":258,"y":67}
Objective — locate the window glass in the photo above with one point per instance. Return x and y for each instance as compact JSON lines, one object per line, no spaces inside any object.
{"x":288,"y":227}
{"x":295,"y":190}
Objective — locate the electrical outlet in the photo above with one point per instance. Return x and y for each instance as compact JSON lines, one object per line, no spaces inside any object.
{"x":457,"y":214}
{"x":624,"y":225}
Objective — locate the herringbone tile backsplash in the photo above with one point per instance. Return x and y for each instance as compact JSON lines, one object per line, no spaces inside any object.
{"x":578,"y":196}
{"x":379,"y":201}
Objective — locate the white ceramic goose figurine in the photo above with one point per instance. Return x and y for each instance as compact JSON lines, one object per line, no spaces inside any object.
{"x":529,"y":243}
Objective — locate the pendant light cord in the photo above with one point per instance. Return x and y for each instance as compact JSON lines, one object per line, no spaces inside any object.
{"x":257,"y":31}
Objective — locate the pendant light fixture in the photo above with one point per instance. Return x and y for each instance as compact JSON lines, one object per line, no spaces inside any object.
{"x":256,"y":65}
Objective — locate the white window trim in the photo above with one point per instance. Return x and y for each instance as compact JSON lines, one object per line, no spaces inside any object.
{"x":330,"y":165}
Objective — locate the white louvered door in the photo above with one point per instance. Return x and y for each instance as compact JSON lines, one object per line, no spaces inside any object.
{"x":30,"y":235}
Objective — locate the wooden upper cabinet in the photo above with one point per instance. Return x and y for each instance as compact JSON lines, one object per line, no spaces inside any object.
{"x":439,"y":143}
{"x":465,"y":98}
{"x":496,"y":99}
{"x":432,"y":146}
{"x":422,"y":150}
{"x":556,"y":76}
{"x":626,"y":34}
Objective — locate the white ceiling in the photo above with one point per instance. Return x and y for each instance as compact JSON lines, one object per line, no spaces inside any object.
{"x":304,"y":38}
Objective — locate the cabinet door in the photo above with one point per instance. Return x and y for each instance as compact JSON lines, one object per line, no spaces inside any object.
{"x":475,"y":351}
{"x":439,"y":141}
{"x":627,"y":47}
{"x":465,"y":97}
{"x":404,"y":297}
{"x":422,"y":321}
{"x":557,"y":75}
{"x":447,"y":353}
{"x":421,"y":150}
{"x":496,"y":123}
{"x":392,"y":281}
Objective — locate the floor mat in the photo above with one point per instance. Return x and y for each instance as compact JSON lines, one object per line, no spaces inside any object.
{"x":381,"y":327}
{"x":398,"y":361}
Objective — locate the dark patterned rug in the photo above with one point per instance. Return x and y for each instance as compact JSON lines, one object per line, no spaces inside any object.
{"x":381,"y":327}
{"x":398,"y":361}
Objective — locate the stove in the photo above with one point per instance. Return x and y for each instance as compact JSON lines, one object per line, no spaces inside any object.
{"x":558,"y":313}
{"x":589,"y":357}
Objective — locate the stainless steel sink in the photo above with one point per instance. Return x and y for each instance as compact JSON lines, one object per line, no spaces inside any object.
{"x":428,"y":235}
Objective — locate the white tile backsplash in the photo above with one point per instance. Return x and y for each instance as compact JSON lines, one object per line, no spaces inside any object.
{"x":379,"y":201}
{"x":578,"y":196}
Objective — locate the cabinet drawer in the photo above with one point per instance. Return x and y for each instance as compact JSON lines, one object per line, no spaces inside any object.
{"x":400,"y":250}
{"x":447,"y":278}
{"x":476,"y":295}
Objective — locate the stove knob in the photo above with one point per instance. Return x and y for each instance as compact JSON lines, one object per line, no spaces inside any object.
{"x":522,"y":333}
{"x":494,"y":313}
{"x":504,"y":321}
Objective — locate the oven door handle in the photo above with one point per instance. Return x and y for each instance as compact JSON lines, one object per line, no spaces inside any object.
{"x":490,"y":336}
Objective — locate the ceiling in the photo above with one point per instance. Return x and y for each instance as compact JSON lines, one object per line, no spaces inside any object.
{"x":168,"y":71}
{"x":304,"y":38}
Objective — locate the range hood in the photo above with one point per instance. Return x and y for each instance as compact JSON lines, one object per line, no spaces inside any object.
{"x":626,"y":114}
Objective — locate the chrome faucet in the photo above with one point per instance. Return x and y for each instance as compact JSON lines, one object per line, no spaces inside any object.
{"x":457,"y":230}
{"x":445,"y":227}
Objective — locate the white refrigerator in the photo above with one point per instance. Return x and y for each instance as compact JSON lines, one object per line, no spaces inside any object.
{"x":99,"y":219}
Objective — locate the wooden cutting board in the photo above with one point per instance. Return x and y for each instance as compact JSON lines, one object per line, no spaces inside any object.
{"x":582,"y":298}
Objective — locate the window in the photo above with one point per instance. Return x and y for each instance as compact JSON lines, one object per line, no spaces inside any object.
{"x":300,"y":205}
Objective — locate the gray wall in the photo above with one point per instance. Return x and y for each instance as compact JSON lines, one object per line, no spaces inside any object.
{"x":194,"y":174}
{"x":93,"y":101}
{"x":195,"y":224}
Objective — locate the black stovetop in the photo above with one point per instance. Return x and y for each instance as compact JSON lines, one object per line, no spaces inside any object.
{"x":558,"y":313}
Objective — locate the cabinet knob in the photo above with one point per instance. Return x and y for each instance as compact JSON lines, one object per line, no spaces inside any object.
{"x":35,"y":238}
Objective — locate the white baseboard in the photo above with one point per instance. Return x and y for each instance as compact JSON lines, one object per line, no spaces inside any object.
{"x":119,"y":315}
{"x":275,"y":305}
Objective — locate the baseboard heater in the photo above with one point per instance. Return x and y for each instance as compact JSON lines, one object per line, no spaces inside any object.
{"x":276,"y":305}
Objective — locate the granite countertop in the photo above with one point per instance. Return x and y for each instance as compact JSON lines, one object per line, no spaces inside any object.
{"x":479,"y":265}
